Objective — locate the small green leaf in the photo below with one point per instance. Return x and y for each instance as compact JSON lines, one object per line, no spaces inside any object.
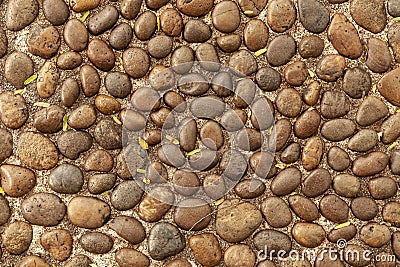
{"x":105,"y":193}
{"x":342,"y":225}
{"x":65,"y":122}
{"x":260,"y":52}
{"x":191,"y":153}
{"x":172,"y":140}
{"x":396,"y":19}
{"x":117,"y":121}
{"x":142,"y":171}
{"x":84,"y":17}
{"x":30,"y":79}
{"x":20,"y":91}
{"x":270,"y":129}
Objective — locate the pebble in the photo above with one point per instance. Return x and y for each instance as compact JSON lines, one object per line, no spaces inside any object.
{"x":20,"y":13}
{"x":126,"y":195}
{"x":243,"y":62}
{"x":283,"y":130}
{"x":222,"y":84}
{"x":211,"y":135}
{"x":253,"y":7}
{"x":214,"y":186}
{"x":289,"y":102}
{"x":346,"y":185}
{"x":286,"y":181}
{"x":303,"y":207}
{"x":268,"y":79}
{"x":17,"y":237}
{"x":188,"y":135}
{"x":330,"y":68}
{"x":244,"y":93}
{"x":255,"y":35}
{"x":382,"y":187}
{"x":36,"y":261}
{"x":344,"y":37}
{"x":205,"y":160}
{"x":3,"y":43}
{"x":194,"y":8}
{"x":5,"y":210}
{"x":103,"y":20}
{"x":130,"y":8}
{"x":101,"y":54}
{"x":334,"y":104}
{"x":179,"y":263}
{"x":371,"y":110}
{"x":108,"y":134}
{"x":200,"y":107}
{"x":79,"y":260}
{"x":307,"y":124}
{"x":280,"y":50}
{"x":118,"y":84}
{"x":171,"y":155}
{"x":69,"y":92}
{"x":17,"y":68}
{"x":346,"y":233}
{"x":393,"y":8}
{"x":363,"y":141}
{"x":296,"y":73}
{"x":364,"y":208}
{"x":145,"y":99}
{"x":145,"y":25}
{"x":281,"y":15}
{"x":88,"y":212}
{"x":102,"y":182}
{"x":236,"y":220}
{"x":155,"y":204}
{"x":107,"y":104}
{"x":131,"y":257}
{"x":160,"y":46}
{"x":233,"y":120}
{"x":82,"y":117}
{"x":66,"y":179}
{"x":97,"y":243}
{"x":390,"y":213}
{"x":316,"y":183}
{"x":356,"y":82}
{"x":182,"y":59}
{"x":314,"y":16}
{"x":76,"y":35}
{"x":390,"y":129}
{"x":185,"y":182}
{"x":291,"y":153}
{"x":338,"y":159}
{"x":6,"y":144}
{"x":128,"y":228}
{"x":395,"y":243}
{"x":312,"y":153}
{"x":37,"y":151}
{"x":72,"y":143}
{"x":56,"y":11}
{"x":43,"y":42}
{"x":196,"y":31}
{"x":309,"y":235}
{"x":233,"y":164}
{"x":353,"y":261}
{"x":370,"y":164}
{"x":250,"y":188}
{"x":312,"y":93}
{"x":69,"y":60}
{"x":206,"y":249}
{"x":90,"y":80}
{"x":229,"y":43}
{"x":225,"y":16}
{"x":58,"y":243}
{"x":44,"y":209}
{"x":47,"y":79}
{"x":379,"y":58}
{"x":323,"y":260}
{"x":362,"y":14}
{"x":239,"y":255}
{"x":207,"y":55}
{"x":387,"y":86}
{"x":334,"y":208}
{"x":171,"y":22}
{"x":249,"y":139}
{"x":276,"y":212}
{"x":394,"y":40}
{"x":84,"y":5}
{"x":121,"y":36}
{"x":395,"y":162}
{"x":136,"y":62}
{"x":338,"y":129}
{"x":165,"y":240}
{"x":273,"y":240}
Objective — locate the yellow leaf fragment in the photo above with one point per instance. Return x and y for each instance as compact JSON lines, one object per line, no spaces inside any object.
{"x":374,"y":88}
{"x":280,"y":166}
{"x":41,"y":104}
{"x":311,"y":73}
{"x":30,"y":79}
{"x":380,"y":136}
{"x":142,"y":171}
{"x":20,"y":91}
{"x":209,"y":14}
{"x":65,"y":122}
{"x":2,"y":191}
{"x":260,"y":52}
{"x":342,"y":225}
{"x":84,"y":17}
{"x":293,"y":193}
{"x":310,"y":108}
{"x":116,"y":120}
{"x":105,"y":193}
{"x":158,"y":24}
{"x":143,"y":144}
{"x":172,"y":140}
{"x":146,"y":181}
{"x":24,"y":32}
{"x":191,"y":153}
{"x":270,"y":129}
{"x":396,"y":19}
{"x":248,"y":12}
{"x":392,"y":145}
{"x":219,"y":201}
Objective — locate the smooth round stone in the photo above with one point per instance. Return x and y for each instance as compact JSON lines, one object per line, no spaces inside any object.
{"x":311,"y":46}
{"x":88,"y":212}
{"x":193,"y":84}
{"x":334,"y":104}
{"x":131,"y":257}
{"x":5,"y":210}
{"x":43,"y":209}
{"x":325,"y":261}
{"x":371,"y":110}
{"x":272,"y":239}
{"x":390,"y":129}
{"x":338,"y":129}
{"x":338,"y":159}
{"x":225,"y":16}
{"x":49,"y":120}
{"x":364,"y":208}
{"x":303,"y":207}
{"x":107,"y":104}
{"x":72,"y":143}
{"x":309,"y":235}
{"x":233,"y":120}
{"x":82,"y":117}
{"x":346,"y":233}
{"x":379,"y":58}
{"x":362,"y":14}
{"x":280,"y":50}
{"x":17,"y":237}
{"x":387,"y":87}
{"x":69,"y":60}
{"x":268,"y":79}
{"x":108,"y":134}
{"x":171,"y":22}
{"x":200,"y":107}
{"x":291,"y":153}
{"x":76,"y":35}
{"x":214,"y":186}
{"x":182,"y":59}
{"x":316,"y":183}
{"x":253,"y":7}
{"x":157,"y":172}
{"x":344,"y":37}
{"x":250,"y":188}
{"x":331,"y":67}
{"x":128,"y":228}
{"x":363,"y":141}
{"x":79,"y":260}
{"x":192,"y":214}
{"x":283,"y":130}
{"x":205,"y":160}
{"x":97,"y":243}
{"x":334,"y":208}
{"x":171,"y":155}
{"x":307,"y":124}
{"x":130,"y":8}
{"x":222,"y":84}
{"x":346,"y":185}
{"x":236,"y":220}
{"x":195,"y":8}
{"x":394,"y":39}
{"x":102,"y":182}
{"x":393,"y":8}
{"x":233,"y":164}
{"x":395,"y":162}
{"x":99,"y":160}
{"x":243,"y":62}
{"x":370,"y":164}
{"x":165,"y":240}
{"x":43,"y":42}
{"x":136,"y":62}
{"x":20,"y":13}
{"x":185,"y":182}
{"x":286,"y":181}
{"x":396,"y":243}
{"x":249,"y":139}
{"x":229,"y":43}
{"x":207,"y":55}
{"x":211,"y":135}
{"x":37,"y":151}
{"x":118,"y":84}
{"x":121,"y":36}
{"x":241,"y":255}
{"x":126,"y":195}
{"x":296,"y":73}
{"x":56,"y":11}
{"x":206,"y":250}
{"x":281,"y":15}
{"x":160,"y":46}
{"x":6,"y":144}
{"x":84,"y":5}
{"x":58,"y":243}
{"x":90,"y":80}
{"x":390,"y":213}
{"x":69,"y":92}
{"x":361,"y":261}
{"x":196,"y":31}
{"x":289,"y":102}
{"x":156,"y":204}
{"x":276,"y":212}
{"x":145,"y":99}
{"x":3,"y":43}
{"x":36,"y":261}
{"x":244,"y":93}
{"x":382,"y":187}
{"x":101,"y":54}
{"x":103,"y":20}
{"x":17,"y":68}
{"x":47,"y":79}
{"x":312,"y":93}
{"x":66,"y":179}
{"x":145,"y":25}
{"x":188,"y":135}
{"x":314,"y":16}
{"x":356,"y":82}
